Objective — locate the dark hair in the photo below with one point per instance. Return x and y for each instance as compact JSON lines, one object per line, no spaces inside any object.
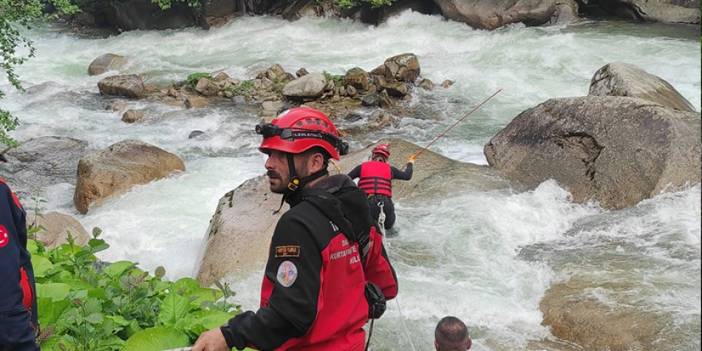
{"x":451,"y":334}
{"x":318,"y":150}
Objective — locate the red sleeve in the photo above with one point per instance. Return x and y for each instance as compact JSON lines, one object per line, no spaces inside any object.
{"x":377,"y":266}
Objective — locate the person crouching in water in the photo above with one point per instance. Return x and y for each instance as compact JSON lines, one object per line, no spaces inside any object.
{"x":375,"y":178}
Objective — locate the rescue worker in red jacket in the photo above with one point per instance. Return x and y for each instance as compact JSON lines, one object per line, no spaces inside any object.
{"x":375,"y":178}
{"x":18,"y":317}
{"x":323,"y":251}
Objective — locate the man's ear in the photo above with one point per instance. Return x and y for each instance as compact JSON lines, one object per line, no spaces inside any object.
{"x":436,"y":345}
{"x":469,"y":343}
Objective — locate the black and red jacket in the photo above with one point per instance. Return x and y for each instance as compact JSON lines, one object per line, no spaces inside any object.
{"x":375,"y":177}
{"x":312,"y":296}
{"x":18,"y":318}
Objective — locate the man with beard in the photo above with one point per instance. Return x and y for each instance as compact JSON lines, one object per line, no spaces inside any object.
{"x":325,"y":252}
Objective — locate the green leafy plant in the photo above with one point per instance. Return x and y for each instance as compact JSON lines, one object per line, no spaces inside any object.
{"x":167,"y":4}
{"x":86,"y":304}
{"x":193,"y":78}
{"x":355,"y":3}
{"x":337,"y":79}
{"x":245,"y":88}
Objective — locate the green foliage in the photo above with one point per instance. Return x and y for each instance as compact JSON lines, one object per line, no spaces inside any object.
{"x":337,"y":79}
{"x":245,"y":88}
{"x":86,"y":304}
{"x":13,"y":15}
{"x":195,"y":77}
{"x":354,"y":3}
{"x":166,"y":4}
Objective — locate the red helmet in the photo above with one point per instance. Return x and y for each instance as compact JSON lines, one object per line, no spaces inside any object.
{"x":300,"y":129}
{"x":382,"y":150}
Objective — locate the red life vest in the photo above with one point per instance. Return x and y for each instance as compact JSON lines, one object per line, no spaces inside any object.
{"x":342,"y":310}
{"x":376,"y":178}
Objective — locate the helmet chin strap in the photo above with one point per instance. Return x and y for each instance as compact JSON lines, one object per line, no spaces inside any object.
{"x":296,"y":183}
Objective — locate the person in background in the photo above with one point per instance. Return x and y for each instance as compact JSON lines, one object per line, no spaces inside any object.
{"x":18,"y":308}
{"x":375,"y":178}
{"x":451,"y":334}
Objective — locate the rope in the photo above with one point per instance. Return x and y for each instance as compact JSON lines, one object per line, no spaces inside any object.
{"x":455,"y":124}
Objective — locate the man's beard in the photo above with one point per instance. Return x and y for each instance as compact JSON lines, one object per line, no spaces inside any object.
{"x":282,"y":187}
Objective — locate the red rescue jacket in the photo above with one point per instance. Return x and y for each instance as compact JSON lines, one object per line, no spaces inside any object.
{"x":313,"y":290}
{"x":376,"y":178}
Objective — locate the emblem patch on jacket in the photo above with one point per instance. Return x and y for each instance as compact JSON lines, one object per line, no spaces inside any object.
{"x":4,"y":236}
{"x":287,"y":251}
{"x":287,"y":274}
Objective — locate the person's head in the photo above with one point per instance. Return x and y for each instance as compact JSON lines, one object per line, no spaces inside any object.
{"x":451,"y":334}
{"x":299,"y":144}
{"x":381,"y":152}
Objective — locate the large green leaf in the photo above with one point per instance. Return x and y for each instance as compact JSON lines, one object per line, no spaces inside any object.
{"x":41,"y":266}
{"x":50,"y":310}
{"x":209,"y":319}
{"x":156,"y":339}
{"x":54,"y":291}
{"x":173,"y":308}
{"x":185,"y":286}
{"x":116,"y":269}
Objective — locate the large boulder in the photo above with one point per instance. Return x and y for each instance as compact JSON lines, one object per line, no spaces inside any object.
{"x":241,"y":228}
{"x":358,"y":78}
{"x":573,"y":313}
{"x":616,"y":150}
{"x":118,"y":168}
{"x":308,"y":86}
{"x":666,"y":11}
{"x":403,"y":67}
{"x":40,"y":162}
{"x":492,"y":14}
{"x":127,"y":85}
{"x":621,"y":79}
{"x":54,"y":228}
{"x":106,"y":62}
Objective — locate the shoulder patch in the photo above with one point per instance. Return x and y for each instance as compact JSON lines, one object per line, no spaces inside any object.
{"x":287,"y":274}
{"x":287,"y":251}
{"x":4,"y":236}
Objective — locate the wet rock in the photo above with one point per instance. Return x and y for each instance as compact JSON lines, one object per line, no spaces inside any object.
{"x":351,"y":91}
{"x":357,"y":78}
{"x":195,"y":133}
{"x":106,"y":62}
{"x":116,"y":169}
{"x":39,"y":162}
{"x":54,"y":228}
{"x":578,"y":317}
{"x":384,"y":100}
{"x":446,"y":83}
{"x":353,"y":117}
{"x":173,"y":92}
{"x":380,"y":120}
{"x":621,"y":79}
{"x":238,"y":238}
{"x":397,"y":89}
{"x":127,"y":85}
{"x":193,"y":101}
{"x":615,"y":150}
{"x":239,"y":100}
{"x":116,"y":105}
{"x":131,"y":116}
{"x":301,"y":72}
{"x":370,"y":100}
{"x":404,"y":68}
{"x":206,"y":87}
{"x":308,"y":86}
{"x":494,"y":14}
{"x":221,"y":77}
{"x":274,"y":73}
{"x":426,"y":84}
{"x":270,"y":109}
{"x":666,"y":11}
